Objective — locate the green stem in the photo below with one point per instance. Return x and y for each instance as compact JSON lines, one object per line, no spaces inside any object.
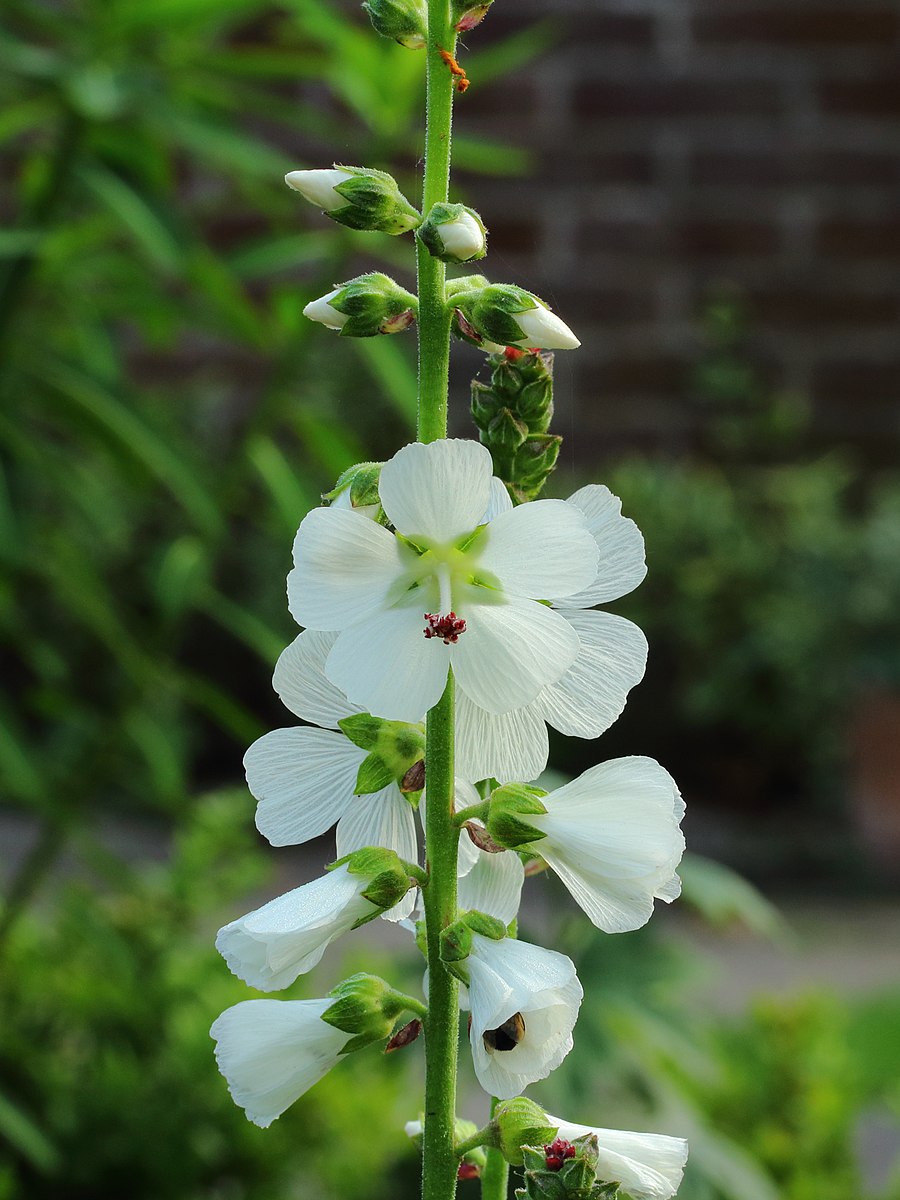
{"x":434,"y":318}
{"x":495,"y":1172}
{"x":439,"y":1159}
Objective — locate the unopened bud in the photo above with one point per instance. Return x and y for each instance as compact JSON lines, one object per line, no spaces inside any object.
{"x":509,"y":807}
{"x":453,"y":233}
{"x":358,"y":197}
{"x":466,"y":15}
{"x":456,"y":939}
{"x":564,"y":1170}
{"x":389,"y":879}
{"x":365,"y":1006}
{"x":406,"y":21}
{"x":357,"y":488}
{"x":365,"y":306}
{"x":517,"y":1123}
{"x":505,"y":315}
{"x":395,"y":748}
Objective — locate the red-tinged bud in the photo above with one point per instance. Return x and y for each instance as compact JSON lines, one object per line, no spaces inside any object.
{"x":479,"y":835}
{"x":468,"y":1170}
{"x":557,"y":1153}
{"x":405,"y":1036}
{"x":467,"y":15}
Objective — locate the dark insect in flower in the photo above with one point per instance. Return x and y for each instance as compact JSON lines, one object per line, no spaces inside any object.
{"x":506,"y":1036}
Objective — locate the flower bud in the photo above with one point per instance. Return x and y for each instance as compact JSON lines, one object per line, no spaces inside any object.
{"x":358,"y":197}
{"x":388,"y":878}
{"x":563,"y":1170}
{"x":456,"y":939}
{"x":357,"y":488}
{"x":365,"y":306}
{"x":366,"y":1007}
{"x":453,"y":233}
{"x":509,"y":806}
{"x":466,"y":15}
{"x":520,"y":1122}
{"x":502,"y":315}
{"x":394,"y":748}
{"x":406,"y":21}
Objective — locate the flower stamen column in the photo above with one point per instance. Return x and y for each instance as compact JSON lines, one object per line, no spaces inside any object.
{"x":439,"y":1159}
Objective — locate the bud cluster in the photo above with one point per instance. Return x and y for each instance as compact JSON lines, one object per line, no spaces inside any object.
{"x":513,"y":414}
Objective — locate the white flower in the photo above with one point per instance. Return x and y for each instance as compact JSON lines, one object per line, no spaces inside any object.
{"x":649,"y":1166}
{"x":443,"y":591}
{"x":611,"y":657}
{"x":613,"y":838}
{"x":324,"y":312}
{"x":318,"y":187}
{"x":304,"y":778}
{"x":545,"y":329}
{"x":272,"y":1051}
{"x":271,"y":946}
{"x":524,"y":1001}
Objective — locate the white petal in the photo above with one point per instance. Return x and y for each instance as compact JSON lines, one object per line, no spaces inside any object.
{"x":622,"y":566}
{"x":510,"y":651}
{"x":500,"y":501}
{"x":303,"y":780}
{"x":345,"y":566}
{"x":318,"y":187}
{"x":493,"y":885}
{"x":648,"y":1165}
{"x":591,"y":694}
{"x":270,"y":947}
{"x":323,"y":311}
{"x":545,"y":329}
{"x":388,"y":666}
{"x":385,"y":819}
{"x":301,"y":683}
{"x":438,"y":491}
{"x":614,"y":841}
{"x":506,"y":747}
{"x":463,"y":237}
{"x":507,"y":977}
{"x":272,"y":1051}
{"x":540,"y":549}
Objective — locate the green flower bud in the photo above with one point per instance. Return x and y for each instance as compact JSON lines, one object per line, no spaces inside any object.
{"x":406,"y":21}
{"x":358,"y":197}
{"x":365,"y":306}
{"x":465,"y":283}
{"x":453,"y":233}
{"x":456,"y":940}
{"x":465,"y":15}
{"x":509,"y":806}
{"x":520,"y":1122}
{"x":357,"y":488}
{"x":365,"y":1006}
{"x":505,"y":315}
{"x":389,"y":878}
{"x":394,"y":749}
{"x":563,"y":1170}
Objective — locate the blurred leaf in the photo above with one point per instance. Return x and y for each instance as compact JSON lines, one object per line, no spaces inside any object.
{"x":20,"y":1131}
{"x":149,"y":231}
{"x":293,"y":498}
{"x":722,"y":897}
{"x":393,"y":371}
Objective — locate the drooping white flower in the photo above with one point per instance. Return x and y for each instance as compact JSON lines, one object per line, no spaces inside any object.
{"x":444,"y":590}
{"x":272,"y":1051}
{"x":611,"y":658}
{"x":524,"y":1002}
{"x":305,"y":778}
{"x":270,"y":947}
{"x":649,"y":1166}
{"x":612,"y":836}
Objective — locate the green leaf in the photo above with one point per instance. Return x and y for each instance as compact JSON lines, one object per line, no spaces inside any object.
{"x":722,"y":897}
{"x":21,"y":1131}
{"x":293,"y":498}
{"x":393,"y":370}
{"x":146,"y":227}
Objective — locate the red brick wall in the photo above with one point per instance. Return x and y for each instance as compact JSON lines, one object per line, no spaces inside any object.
{"x":681,"y":144}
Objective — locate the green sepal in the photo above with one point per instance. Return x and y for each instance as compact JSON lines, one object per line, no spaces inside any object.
{"x":365,"y":1006}
{"x":456,"y":945}
{"x":520,"y":1122}
{"x":373,"y":775}
{"x":362,"y":482}
{"x":389,"y":879}
{"x":374,"y":304}
{"x":506,"y":433}
{"x":375,"y":203}
{"x":362,"y":729}
{"x":491,"y":311}
{"x":510,"y":804}
{"x":404,"y":21}
{"x":535,"y":459}
{"x":465,"y":283}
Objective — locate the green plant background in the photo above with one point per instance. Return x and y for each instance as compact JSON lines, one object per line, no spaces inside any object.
{"x":167,"y":418}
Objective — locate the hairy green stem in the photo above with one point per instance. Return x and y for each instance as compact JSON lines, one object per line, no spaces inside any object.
{"x":495,"y":1172}
{"x":439,"y":1158}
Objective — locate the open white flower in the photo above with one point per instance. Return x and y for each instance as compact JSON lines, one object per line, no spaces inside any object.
{"x":305,"y":778}
{"x":524,"y":1002}
{"x":272,"y":1051}
{"x":611,"y":658}
{"x":271,"y":946}
{"x":444,"y":590}
{"x":649,"y":1166}
{"x":613,"y":838}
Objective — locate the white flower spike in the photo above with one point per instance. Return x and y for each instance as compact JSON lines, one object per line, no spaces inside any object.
{"x":612,"y":836}
{"x":444,"y":590}
{"x":272,"y":1051}
{"x":649,"y":1166}
{"x":524,"y":1002}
